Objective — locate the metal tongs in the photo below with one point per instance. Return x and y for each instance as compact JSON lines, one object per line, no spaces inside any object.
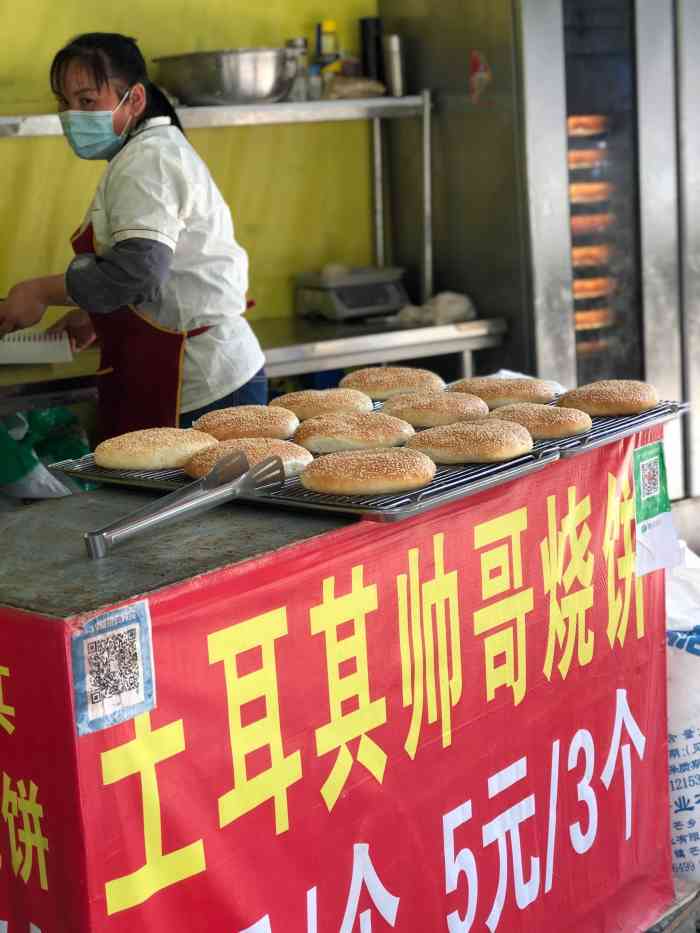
{"x":230,"y":478}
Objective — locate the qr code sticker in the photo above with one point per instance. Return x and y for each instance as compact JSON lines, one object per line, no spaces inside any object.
{"x":114,"y":671}
{"x":114,"y":676}
{"x":650,"y":475}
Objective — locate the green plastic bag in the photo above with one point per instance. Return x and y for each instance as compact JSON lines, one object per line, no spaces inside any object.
{"x":16,"y":458}
{"x":56,"y":434}
{"x":52,"y":435}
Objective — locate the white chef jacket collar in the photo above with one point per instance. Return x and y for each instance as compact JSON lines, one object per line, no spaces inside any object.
{"x":150,"y":123}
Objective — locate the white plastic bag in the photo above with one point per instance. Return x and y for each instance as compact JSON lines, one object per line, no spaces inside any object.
{"x":443,"y":308}
{"x":683,"y":658}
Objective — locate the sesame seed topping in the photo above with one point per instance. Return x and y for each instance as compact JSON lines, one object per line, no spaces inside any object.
{"x":248,"y":421}
{"x":360,"y":428}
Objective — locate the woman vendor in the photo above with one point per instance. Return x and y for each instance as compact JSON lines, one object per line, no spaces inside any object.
{"x":158,"y":277}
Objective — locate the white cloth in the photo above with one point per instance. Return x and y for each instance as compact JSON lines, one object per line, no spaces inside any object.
{"x":157,"y":187}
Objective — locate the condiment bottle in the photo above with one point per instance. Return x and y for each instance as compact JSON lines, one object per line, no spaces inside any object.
{"x":393,"y":65}
{"x":371,"y":43}
{"x":327,"y":48}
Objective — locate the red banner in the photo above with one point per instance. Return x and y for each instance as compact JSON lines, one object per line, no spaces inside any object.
{"x":457,"y":722}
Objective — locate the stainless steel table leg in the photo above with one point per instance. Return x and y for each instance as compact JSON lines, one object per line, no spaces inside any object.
{"x":427,"y":284}
{"x":467,"y":364}
{"x":378,"y":192}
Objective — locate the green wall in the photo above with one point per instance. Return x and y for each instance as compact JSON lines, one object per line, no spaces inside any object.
{"x":300,"y":195}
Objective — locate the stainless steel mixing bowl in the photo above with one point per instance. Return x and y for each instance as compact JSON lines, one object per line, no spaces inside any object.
{"x":228,"y":76}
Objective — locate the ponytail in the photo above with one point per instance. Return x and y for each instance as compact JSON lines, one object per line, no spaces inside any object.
{"x":158,"y":105}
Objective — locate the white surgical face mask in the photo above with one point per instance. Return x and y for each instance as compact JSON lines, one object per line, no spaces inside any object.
{"x":90,"y":133}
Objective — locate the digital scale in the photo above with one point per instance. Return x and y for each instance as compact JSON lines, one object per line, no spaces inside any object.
{"x":354,"y":293}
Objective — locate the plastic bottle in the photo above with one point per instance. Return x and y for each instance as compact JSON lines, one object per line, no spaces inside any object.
{"x":299,"y":48}
{"x":315,"y":83}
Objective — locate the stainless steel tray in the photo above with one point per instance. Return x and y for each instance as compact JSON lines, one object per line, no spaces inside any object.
{"x":450,"y":482}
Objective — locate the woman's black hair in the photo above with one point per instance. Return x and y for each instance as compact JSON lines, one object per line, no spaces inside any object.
{"x":109,"y":55}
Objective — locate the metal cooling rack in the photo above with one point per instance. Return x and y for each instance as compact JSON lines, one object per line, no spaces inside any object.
{"x":607,"y":429}
{"x":86,"y":469}
{"x":450,"y":482}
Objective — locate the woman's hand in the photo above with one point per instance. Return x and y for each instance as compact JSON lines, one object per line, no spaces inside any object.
{"x":78,"y":326}
{"x":27,"y":301}
{"x":23,"y":307}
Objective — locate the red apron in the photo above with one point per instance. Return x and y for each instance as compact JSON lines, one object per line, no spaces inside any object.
{"x":140,"y":375}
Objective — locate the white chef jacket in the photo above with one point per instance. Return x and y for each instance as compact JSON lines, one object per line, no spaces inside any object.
{"x":157,"y":187}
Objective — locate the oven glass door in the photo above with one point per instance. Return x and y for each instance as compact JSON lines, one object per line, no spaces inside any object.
{"x":603,"y":187}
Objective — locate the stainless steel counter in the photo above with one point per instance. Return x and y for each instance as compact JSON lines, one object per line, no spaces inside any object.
{"x":44,"y":566}
{"x":292,"y":346}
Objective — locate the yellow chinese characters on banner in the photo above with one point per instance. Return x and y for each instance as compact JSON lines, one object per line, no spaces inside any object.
{"x":26,"y":839}
{"x":257,"y":634}
{"x":348,"y":683}
{"x":429,"y":637}
{"x":568,"y":563}
{"x":22,"y":812}
{"x":620,"y":559}
{"x":140,"y":756}
{"x":344,"y":611}
{"x":7,"y":713}
{"x":502,"y":620}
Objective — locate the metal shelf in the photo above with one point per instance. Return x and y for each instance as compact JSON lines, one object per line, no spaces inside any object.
{"x":375,"y":109}
{"x":322,"y":111}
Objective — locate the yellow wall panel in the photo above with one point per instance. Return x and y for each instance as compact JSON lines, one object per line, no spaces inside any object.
{"x":300,"y":195}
